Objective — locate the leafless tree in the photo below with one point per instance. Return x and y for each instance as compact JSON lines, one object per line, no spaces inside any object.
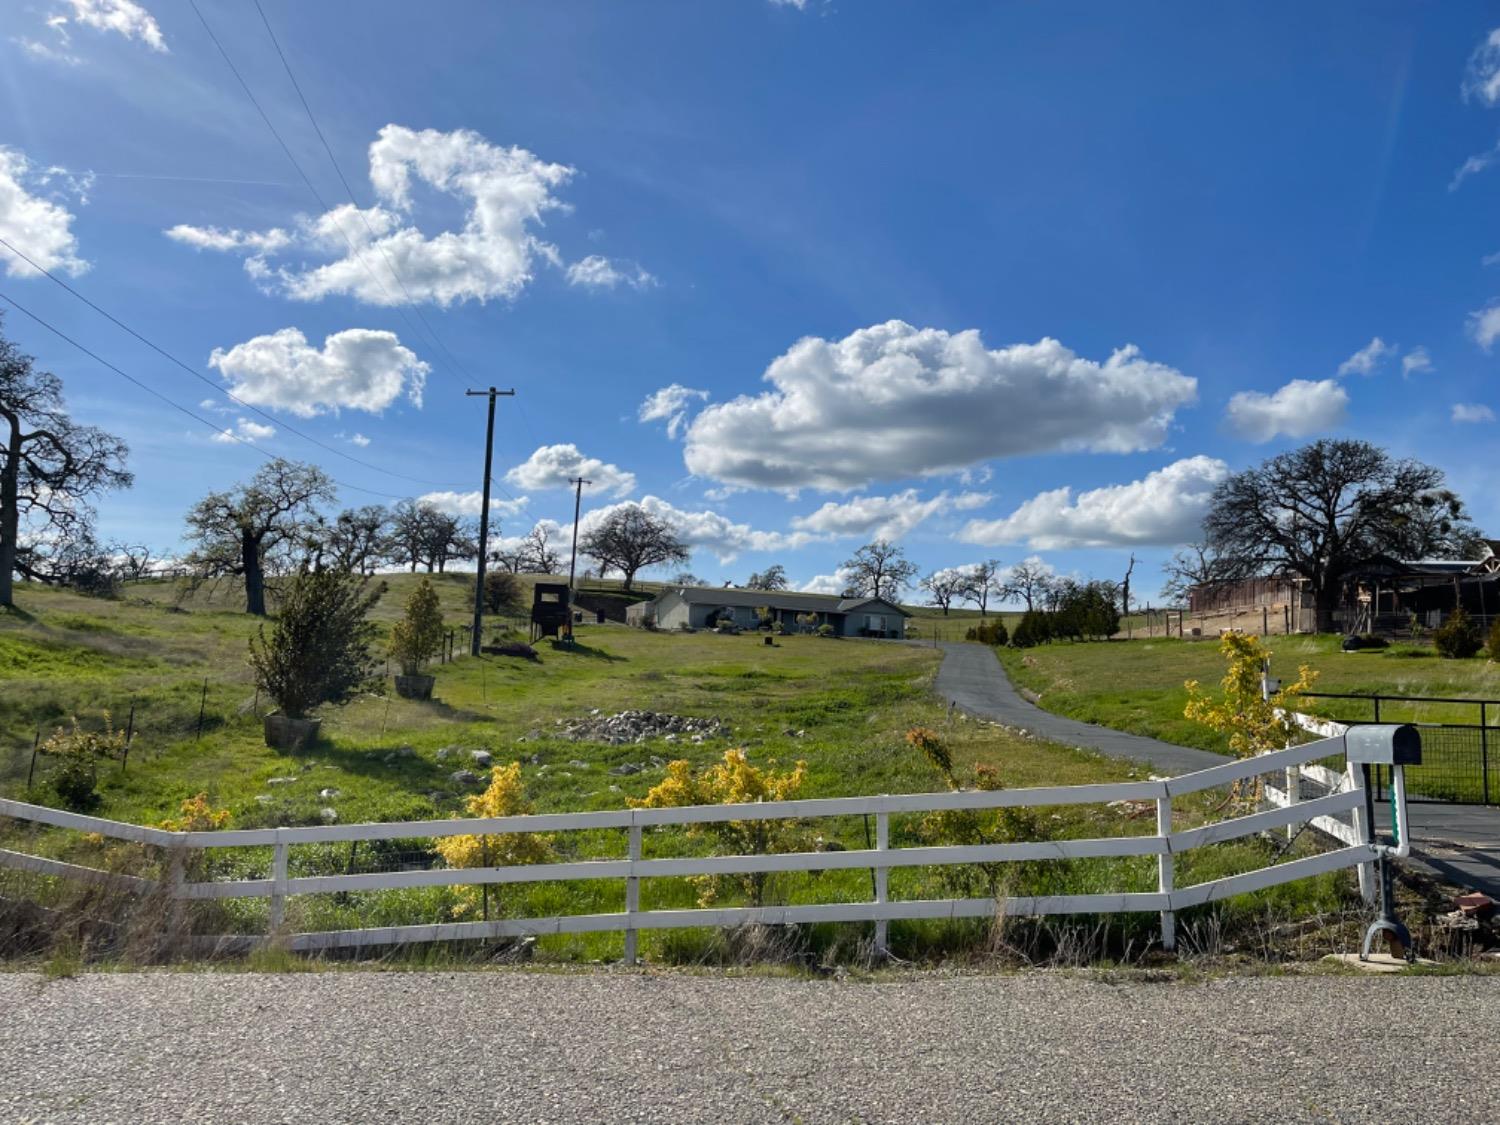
{"x":879,"y":570}
{"x":982,"y":581}
{"x":1029,"y":581}
{"x":943,"y":587}
{"x":630,"y":540}
{"x":772,"y":578}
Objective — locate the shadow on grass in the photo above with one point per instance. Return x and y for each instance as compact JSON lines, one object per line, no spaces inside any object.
{"x":562,"y":648}
{"x":15,"y":613}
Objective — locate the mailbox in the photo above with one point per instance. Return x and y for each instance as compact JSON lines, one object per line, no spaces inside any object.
{"x":1386,"y":744}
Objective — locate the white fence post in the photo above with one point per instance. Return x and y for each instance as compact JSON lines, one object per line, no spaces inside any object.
{"x":882,"y":882}
{"x":1293,"y":795}
{"x":1164,"y":871}
{"x":632,"y":898}
{"x":1363,"y":830}
{"x":278,"y":883}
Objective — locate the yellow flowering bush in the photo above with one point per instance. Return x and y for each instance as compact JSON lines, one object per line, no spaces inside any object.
{"x":732,"y":781}
{"x":1251,"y":722}
{"x":505,"y":796}
{"x":197,"y":816}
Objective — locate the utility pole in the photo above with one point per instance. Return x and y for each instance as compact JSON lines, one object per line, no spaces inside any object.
{"x":477,"y":634}
{"x":578,"y":482}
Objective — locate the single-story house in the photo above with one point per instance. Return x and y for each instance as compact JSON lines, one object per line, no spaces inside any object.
{"x":703,"y":607}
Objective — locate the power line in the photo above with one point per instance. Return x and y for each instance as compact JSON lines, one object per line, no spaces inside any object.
{"x":150,"y":390}
{"x":205,"y":379}
{"x":311,"y":187}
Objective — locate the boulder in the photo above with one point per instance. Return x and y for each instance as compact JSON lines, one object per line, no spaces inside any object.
{"x":280,"y":780}
{"x":481,"y":757}
{"x":328,"y":794}
{"x":464,"y":777}
{"x":328,"y":816}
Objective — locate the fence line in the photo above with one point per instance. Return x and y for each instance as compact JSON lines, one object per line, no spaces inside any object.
{"x":1165,"y":844}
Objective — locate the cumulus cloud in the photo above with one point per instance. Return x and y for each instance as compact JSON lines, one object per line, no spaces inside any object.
{"x":670,"y":404}
{"x":381,"y":257}
{"x":122,"y":17}
{"x":1364,"y":361}
{"x":472,"y":503}
{"x":1484,"y":325}
{"x":1472,"y":412}
{"x":356,"y":369}
{"x":1416,"y":362}
{"x":1163,"y":508}
{"x":245,"y":430}
{"x":1300,"y":408}
{"x":707,"y":531}
{"x":557,"y":466}
{"x":893,"y":401}
{"x":885,"y":517}
{"x":359,"y":440}
{"x":835,"y":583}
{"x":598,"y":272}
{"x":39,"y":227}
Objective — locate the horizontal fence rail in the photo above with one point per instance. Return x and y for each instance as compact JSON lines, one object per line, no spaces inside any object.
{"x":880,"y":859}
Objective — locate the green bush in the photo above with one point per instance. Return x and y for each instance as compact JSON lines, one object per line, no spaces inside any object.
{"x":319,"y":650}
{"x":78,"y":752}
{"x":418,"y":636}
{"x":1033,"y":629}
{"x":825,"y":630}
{"x":990,"y":633}
{"x":502,"y":592}
{"x":1458,"y":638}
{"x":1370,"y":640}
{"x":1492,"y":646}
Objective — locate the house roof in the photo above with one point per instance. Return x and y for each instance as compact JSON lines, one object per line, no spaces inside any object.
{"x":776,"y":599}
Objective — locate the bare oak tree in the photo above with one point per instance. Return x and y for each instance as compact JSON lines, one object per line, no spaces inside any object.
{"x":879,"y":570}
{"x":51,"y":468}
{"x":1029,"y":581}
{"x":235,"y":531}
{"x":982,"y":581}
{"x":943,"y":587}
{"x":772,"y":578}
{"x":631,"y":539}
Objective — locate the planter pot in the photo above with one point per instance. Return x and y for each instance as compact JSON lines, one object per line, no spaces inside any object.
{"x":415,"y":687}
{"x":286,"y":733}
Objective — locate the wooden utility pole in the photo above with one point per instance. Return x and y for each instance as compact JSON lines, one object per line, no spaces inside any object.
{"x":578,"y":483}
{"x":484,"y":520}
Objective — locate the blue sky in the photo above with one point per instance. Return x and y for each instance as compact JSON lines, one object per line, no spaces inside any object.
{"x":913,"y":270}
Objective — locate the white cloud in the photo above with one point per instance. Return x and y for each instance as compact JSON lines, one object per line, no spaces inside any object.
{"x":670,"y":404}
{"x":37,"y":49}
{"x":123,"y":17}
{"x":835,"y":583}
{"x":359,"y":440}
{"x":356,"y":369}
{"x":1484,"y":325}
{"x":1473,"y":166}
{"x":1364,"y":361}
{"x":800,"y":5}
{"x":1300,"y":408}
{"x":506,"y":192}
{"x":40,"y":228}
{"x":725,"y":539}
{"x":1164,"y":508}
{"x":556,"y":466}
{"x":885,"y":517}
{"x":1416,"y":362}
{"x":893,"y":401}
{"x":472,"y":503}
{"x":245,"y":430}
{"x":1472,"y":412}
{"x":1482,"y":78}
{"x":598,"y":272}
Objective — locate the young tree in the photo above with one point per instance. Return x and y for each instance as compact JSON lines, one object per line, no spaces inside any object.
{"x":772,"y":578}
{"x":1323,"y":510}
{"x":51,"y":468}
{"x":631,"y":539}
{"x":879,"y":570}
{"x":418,"y":636}
{"x":1029,"y":581}
{"x":982,"y":581}
{"x":234,"y":531}
{"x":502,"y":591}
{"x":943,"y":586}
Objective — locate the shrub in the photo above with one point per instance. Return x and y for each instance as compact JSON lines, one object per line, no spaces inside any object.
{"x":732,"y":781}
{"x":824,"y":630}
{"x":502,"y":591}
{"x":1370,"y":640}
{"x":505,"y":796}
{"x":197,"y":816}
{"x":956,"y":827}
{"x":1033,"y":629}
{"x":1492,"y":645}
{"x":1457,"y":638}
{"x":320,"y":648}
{"x":418,"y":636}
{"x":1251,"y":722}
{"x":78,"y":752}
{"x":934,"y":750}
{"x":990,"y":633}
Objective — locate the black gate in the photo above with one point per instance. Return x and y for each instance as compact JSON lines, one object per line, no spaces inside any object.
{"x":1458,"y":765}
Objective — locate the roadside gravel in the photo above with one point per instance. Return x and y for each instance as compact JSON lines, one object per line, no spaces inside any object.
{"x":616,"y":1045}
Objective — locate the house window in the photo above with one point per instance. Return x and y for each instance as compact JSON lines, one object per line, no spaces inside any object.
{"x":875,"y":623}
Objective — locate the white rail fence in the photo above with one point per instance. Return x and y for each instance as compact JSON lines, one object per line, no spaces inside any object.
{"x":1166,"y":844}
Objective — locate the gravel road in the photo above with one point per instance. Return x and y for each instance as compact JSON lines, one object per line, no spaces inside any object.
{"x":643,"y":1046}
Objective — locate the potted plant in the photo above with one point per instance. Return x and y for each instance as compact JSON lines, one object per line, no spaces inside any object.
{"x":415,"y":640}
{"x":319,"y":651}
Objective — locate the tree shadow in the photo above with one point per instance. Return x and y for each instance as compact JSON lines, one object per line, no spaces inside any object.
{"x":15,"y":613}
{"x":562,"y":648}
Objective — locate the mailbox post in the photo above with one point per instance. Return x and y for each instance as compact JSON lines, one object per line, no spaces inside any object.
{"x":1395,"y":747}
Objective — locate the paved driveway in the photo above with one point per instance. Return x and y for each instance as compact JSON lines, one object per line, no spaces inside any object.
{"x":676,"y":1047}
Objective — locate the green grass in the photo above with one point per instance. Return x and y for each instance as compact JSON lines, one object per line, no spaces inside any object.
{"x":841,"y":706}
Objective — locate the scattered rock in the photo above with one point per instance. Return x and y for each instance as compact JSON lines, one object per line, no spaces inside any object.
{"x":328,"y":794}
{"x":329,"y":816}
{"x":625,"y":769}
{"x":481,"y":757}
{"x":577,"y":765}
{"x":280,"y":780}
{"x":535,"y":759}
{"x":1457,"y":921}
{"x":614,"y":789}
{"x":533,"y":735}
{"x":563,"y":773}
{"x":263,"y":798}
{"x":405,"y":752}
{"x":464,"y":777}
{"x":445,"y":753}
{"x":658,"y":762}
{"x":628,"y":727}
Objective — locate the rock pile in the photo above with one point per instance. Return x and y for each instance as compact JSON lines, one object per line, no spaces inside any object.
{"x":639,"y":726}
